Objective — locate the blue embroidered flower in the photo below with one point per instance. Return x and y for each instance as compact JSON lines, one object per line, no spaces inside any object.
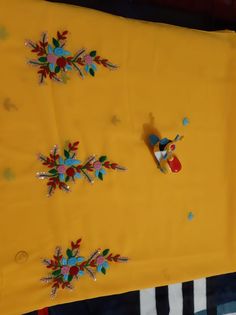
{"x":63,"y":261}
{"x":72,"y":261}
{"x":80,"y":259}
{"x":102,"y":264}
{"x":67,"y":167}
{"x":99,"y":171}
{"x":81,"y":272}
{"x":90,"y":66}
{"x":57,"y":57}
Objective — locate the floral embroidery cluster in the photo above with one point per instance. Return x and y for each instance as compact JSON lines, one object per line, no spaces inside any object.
{"x":63,"y":170}
{"x":54,"y":60}
{"x":73,"y":266}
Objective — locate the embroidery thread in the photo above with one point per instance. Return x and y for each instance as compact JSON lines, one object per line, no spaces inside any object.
{"x":72,"y":267}
{"x":53,"y":60}
{"x":69,"y":168}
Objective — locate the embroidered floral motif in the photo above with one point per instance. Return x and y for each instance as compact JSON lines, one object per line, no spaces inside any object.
{"x":54,"y":60}
{"x":66,"y":269}
{"x":68,"y":168}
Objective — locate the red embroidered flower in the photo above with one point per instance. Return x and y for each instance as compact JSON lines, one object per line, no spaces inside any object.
{"x":61,"y":62}
{"x":74,"y":270}
{"x":70,"y":171}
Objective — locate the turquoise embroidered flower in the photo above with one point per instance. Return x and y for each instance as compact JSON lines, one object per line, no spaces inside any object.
{"x":99,"y":171}
{"x":71,"y":261}
{"x":81,"y":272}
{"x":90,"y":66}
{"x":102,"y":264}
{"x":68,"y":167}
{"x":64,"y":262}
{"x":74,"y":260}
{"x":57,"y":59}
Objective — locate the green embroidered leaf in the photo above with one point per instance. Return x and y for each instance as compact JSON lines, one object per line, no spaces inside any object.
{"x":55,"y":42}
{"x":42,"y":59}
{"x":100,"y":176}
{"x":102,"y":158}
{"x":91,"y":71}
{"x":56,"y":272}
{"x":69,"y":253}
{"x":103,"y":270}
{"x":105,"y":252}
{"x":67,"y":179}
{"x":66,"y":153}
{"x":70,"y":278}
{"x":93,"y":53}
{"x":53,"y":171}
{"x":57,"y":69}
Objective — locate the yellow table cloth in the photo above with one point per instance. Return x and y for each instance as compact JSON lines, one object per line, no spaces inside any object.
{"x":165,"y":73}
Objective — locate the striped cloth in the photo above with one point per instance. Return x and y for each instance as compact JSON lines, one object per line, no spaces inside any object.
{"x":209,"y":296}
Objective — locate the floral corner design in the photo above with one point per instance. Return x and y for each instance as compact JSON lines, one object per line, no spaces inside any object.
{"x":54,"y":61}
{"x":67,"y":168}
{"x":66,"y":269}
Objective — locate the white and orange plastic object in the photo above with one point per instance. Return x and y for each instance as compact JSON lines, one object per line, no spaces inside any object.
{"x":163,"y":150}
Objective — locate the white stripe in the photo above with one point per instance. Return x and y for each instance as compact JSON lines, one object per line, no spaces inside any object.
{"x":148,"y":302}
{"x":200,"y":300}
{"x":175,"y":299}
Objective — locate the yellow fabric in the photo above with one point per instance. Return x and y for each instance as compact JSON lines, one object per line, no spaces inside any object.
{"x":165,"y":74}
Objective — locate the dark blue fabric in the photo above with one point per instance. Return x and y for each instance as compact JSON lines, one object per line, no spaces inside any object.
{"x":221,"y":289}
{"x":188,"y":301}
{"x":153,"y":12}
{"x":122,"y":304}
{"x":162,"y":301}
